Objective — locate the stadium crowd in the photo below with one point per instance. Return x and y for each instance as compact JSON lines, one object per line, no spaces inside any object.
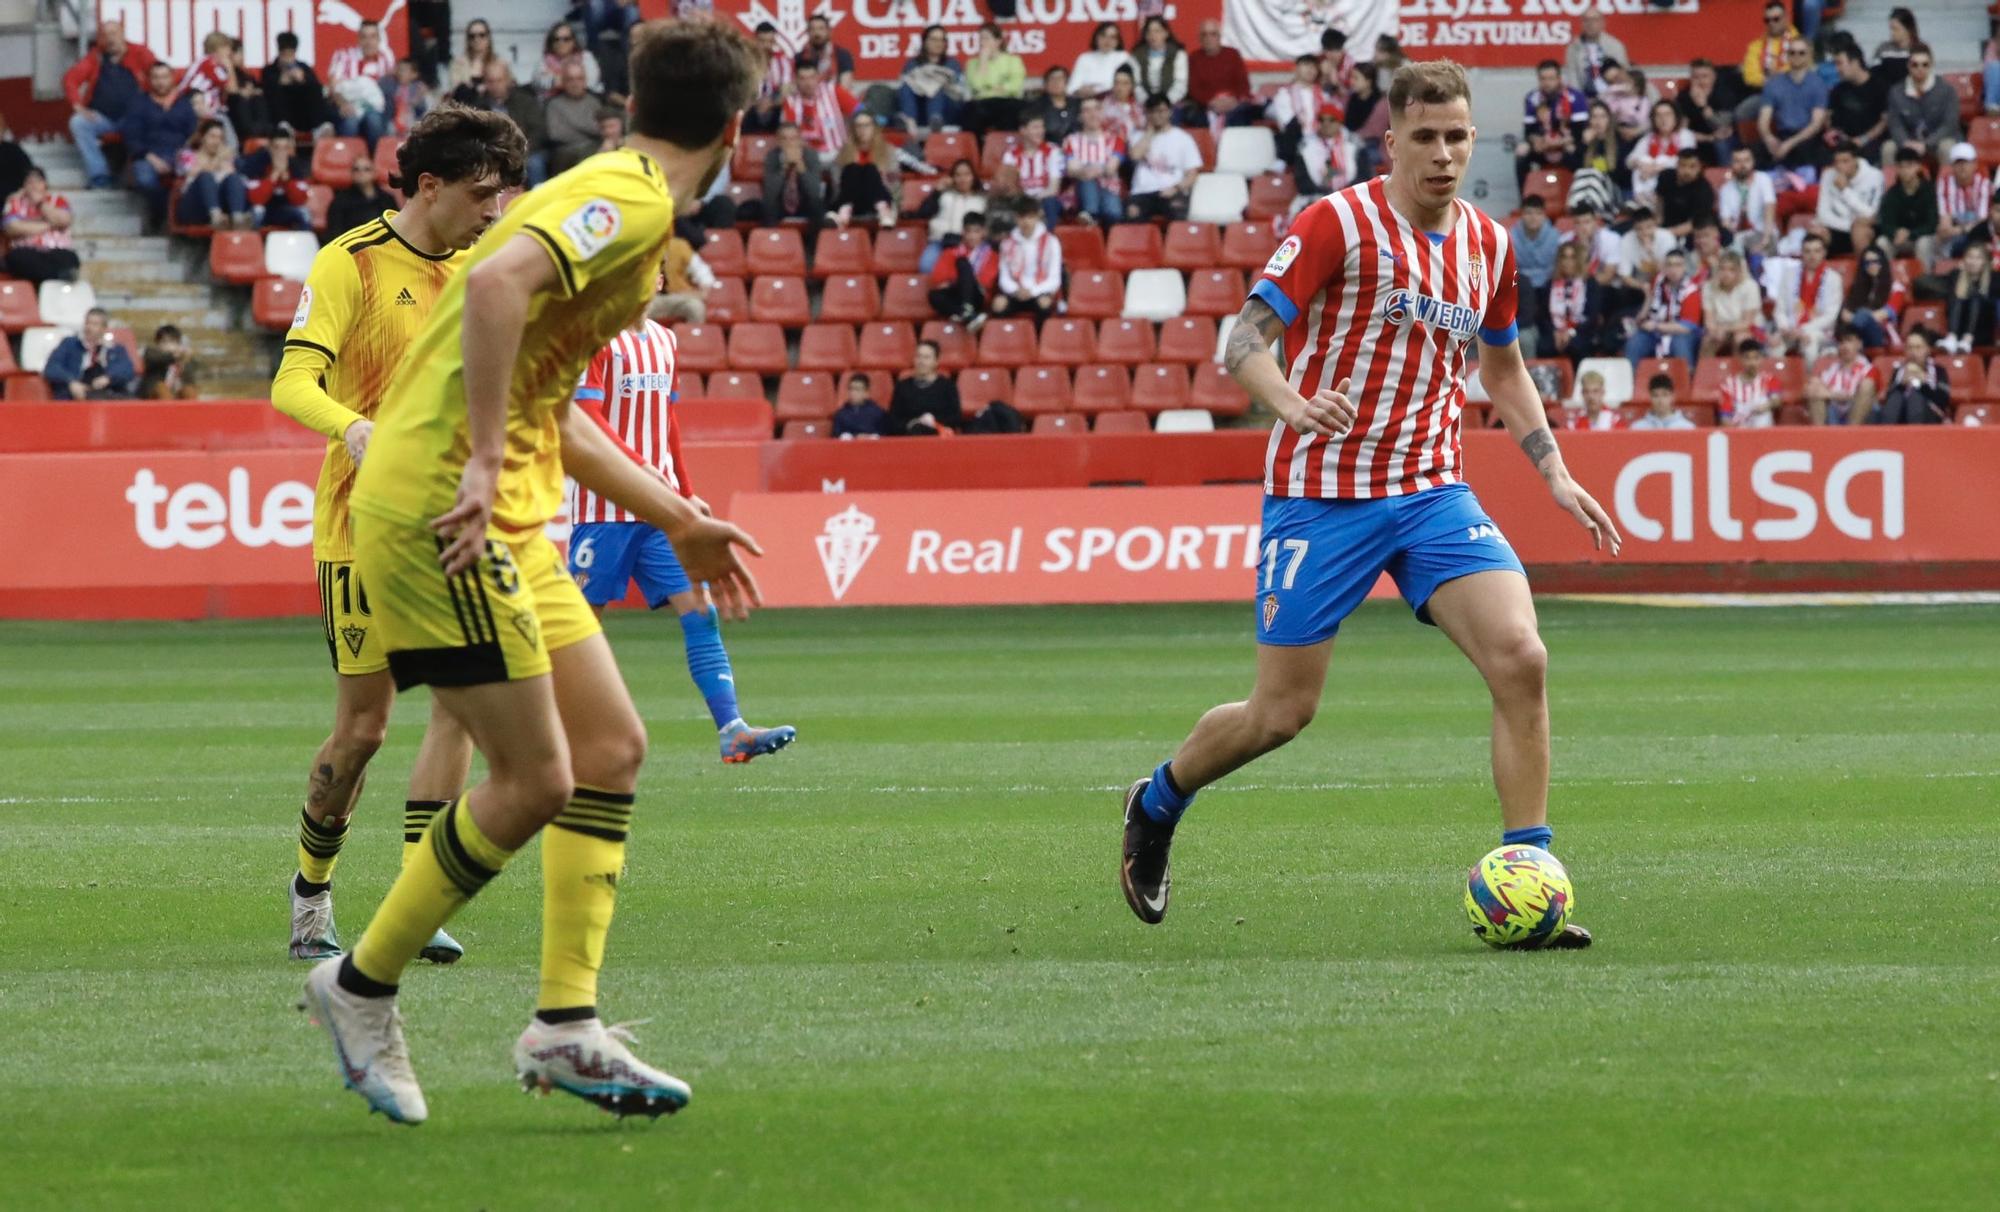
{"x":1806,"y":234}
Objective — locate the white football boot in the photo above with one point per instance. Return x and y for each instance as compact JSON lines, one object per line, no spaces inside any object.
{"x":590,"y":1060}
{"x":367,"y":1043}
{"x":313,"y":935}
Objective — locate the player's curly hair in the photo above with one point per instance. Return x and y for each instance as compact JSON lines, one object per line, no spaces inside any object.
{"x":1433,"y":82}
{"x":689,"y":78}
{"x":458,"y":143}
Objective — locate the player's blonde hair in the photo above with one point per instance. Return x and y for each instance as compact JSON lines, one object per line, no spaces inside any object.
{"x":1432,"y":82}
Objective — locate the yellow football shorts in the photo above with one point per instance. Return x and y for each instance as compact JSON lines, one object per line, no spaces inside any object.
{"x":496,"y":622}
{"x":351,"y":637}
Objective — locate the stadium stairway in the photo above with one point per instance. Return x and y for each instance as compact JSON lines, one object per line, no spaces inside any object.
{"x":1955,"y":32}
{"x":146,"y":281}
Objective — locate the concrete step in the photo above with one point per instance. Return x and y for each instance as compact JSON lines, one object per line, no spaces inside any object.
{"x":151,"y":249}
{"x":135,"y":272}
{"x":233,"y":386}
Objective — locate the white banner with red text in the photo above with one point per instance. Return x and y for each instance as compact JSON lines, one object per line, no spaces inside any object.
{"x":173,"y":29}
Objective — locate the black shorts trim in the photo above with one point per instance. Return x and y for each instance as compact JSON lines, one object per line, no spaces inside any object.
{"x":326,"y":612}
{"x":466,"y":665}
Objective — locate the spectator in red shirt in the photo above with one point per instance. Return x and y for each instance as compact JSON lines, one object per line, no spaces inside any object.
{"x":100,"y":86}
{"x":278,"y":183}
{"x":1218,"y":91}
{"x":963,"y":277}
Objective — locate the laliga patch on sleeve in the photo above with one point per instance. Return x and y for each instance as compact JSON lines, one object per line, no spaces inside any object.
{"x":594,"y":225}
{"x":1281,"y":260}
{"x":304,"y":312}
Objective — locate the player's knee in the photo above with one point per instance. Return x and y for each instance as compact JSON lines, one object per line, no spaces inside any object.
{"x":1280,"y":718}
{"x":612,"y":757}
{"x":1519,"y":666}
{"x":358,"y":734}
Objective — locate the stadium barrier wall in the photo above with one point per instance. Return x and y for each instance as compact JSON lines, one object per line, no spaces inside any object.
{"x":221,"y":527}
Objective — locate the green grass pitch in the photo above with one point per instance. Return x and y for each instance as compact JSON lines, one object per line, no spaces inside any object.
{"x":895,"y":965}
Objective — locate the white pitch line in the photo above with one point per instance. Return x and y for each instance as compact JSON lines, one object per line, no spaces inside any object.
{"x":1690,"y":600}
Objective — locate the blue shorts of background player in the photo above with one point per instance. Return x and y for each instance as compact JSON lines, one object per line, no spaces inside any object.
{"x":607,"y":557}
{"x":1320,"y":558}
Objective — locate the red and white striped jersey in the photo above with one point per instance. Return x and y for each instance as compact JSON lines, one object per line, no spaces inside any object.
{"x":1041,"y":170}
{"x":1843,"y":379}
{"x":18,"y":207}
{"x":1104,"y":147}
{"x":822,"y":117}
{"x":1366,"y":296}
{"x":629,"y":388}
{"x":1744,"y":401}
{"x":1124,"y":118}
{"x":1964,"y":203}
{"x":208,"y":77}
{"x":348,"y":62}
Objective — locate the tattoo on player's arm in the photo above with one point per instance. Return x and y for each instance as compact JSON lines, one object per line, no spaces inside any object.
{"x":1257,"y":325}
{"x":1539,"y":445}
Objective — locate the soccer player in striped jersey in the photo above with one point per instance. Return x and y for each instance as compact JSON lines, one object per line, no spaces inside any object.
{"x":1377,"y":292}
{"x":629,"y":389}
{"x":366,"y":297}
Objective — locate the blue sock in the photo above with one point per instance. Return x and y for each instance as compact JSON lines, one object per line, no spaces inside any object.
{"x":1529,"y":835}
{"x":1162,"y":799}
{"x":708,"y":664}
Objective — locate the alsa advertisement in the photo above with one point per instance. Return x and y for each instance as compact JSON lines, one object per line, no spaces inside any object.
{"x":200,"y":534}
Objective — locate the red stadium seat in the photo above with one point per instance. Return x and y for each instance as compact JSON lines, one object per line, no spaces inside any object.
{"x":1063,"y":424}
{"x":20,"y":308}
{"x":1096,"y":294}
{"x":843,"y":251}
{"x":1128,"y":421}
{"x":1215,"y":292}
{"x":1007,"y":343}
{"x":1982,"y":414}
{"x":979,"y":385}
{"x":388,"y":158}
{"x":947,"y":148}
{"x":1670,"y":86}
{"x":806,"y":395}
{"x":827,"y":347}
{"x":1129,"y":342}
{"x":273,"y":302}
{"x":915,"y":191}
{"x":1248,"y":246}
{"x":1991,"y":390}
{"x":1967,"y":86}
{"x":1187,"y":339}
{"x":795,"y":430}
{"x":700,"y":348}
{"x":333,"y":160}
{"x":1271,"y":196}
{"x":1966,"y":374}
{"x":1927,"y":315}
{"x":1552,"y":187}
{"x":775,"y":250}
{"x":728,"y":302}
{"x":993,"y":150}
{"x":1674,"y":368}
{"x":906,"y":297}
{"x":1082,"y":247}
{"x":1214,"y":390}
{"x":1984,"y":135}
{"x":956,"y":348}
{"x":1159,"y":386}
{"x":757,"y":347}
{"x":1102,"y":388}
{"x":1708,"y":376}
{"x":688,"y":386}
{"x":1133,"y":246}
{"x":1192,"y":246}
{"x":747,"y":165}
{"x":236,"y":257}
{"x":27,"y":389}
{"x":1206,"y":142}
{"x":852,"y":300}
{"x":780,"y":299}
{"x":1069,"y":342}
{"x":1041,"y":389}
{"x":888,"y":347}
{"x":735,"y":385}
{"x":9,"y":367}
{"x":723,"y":253}
{"x":319,"y":200}
{"x":897,"y":251}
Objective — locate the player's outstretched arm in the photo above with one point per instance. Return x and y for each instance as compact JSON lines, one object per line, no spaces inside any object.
{"x":1518,"y":403}
{"x":1247,"y":357}
{"x":708,"y":547}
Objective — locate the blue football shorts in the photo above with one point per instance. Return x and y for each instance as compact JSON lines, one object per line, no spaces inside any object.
{"x":1320,"y":558}
{"x":605,"y":557}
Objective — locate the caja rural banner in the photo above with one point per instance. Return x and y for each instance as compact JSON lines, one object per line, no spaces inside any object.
{"x":190,"y":534}
{"x":174,"y":29}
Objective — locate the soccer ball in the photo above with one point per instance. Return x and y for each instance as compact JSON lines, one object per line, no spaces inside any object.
{"x":1518,"y":896}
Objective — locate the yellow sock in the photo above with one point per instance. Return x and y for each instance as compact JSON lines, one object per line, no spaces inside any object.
{"x":583,"y":856}
{"x":417,"y":816}
{"x":451,"y":865}
{"x":319,"y":848}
